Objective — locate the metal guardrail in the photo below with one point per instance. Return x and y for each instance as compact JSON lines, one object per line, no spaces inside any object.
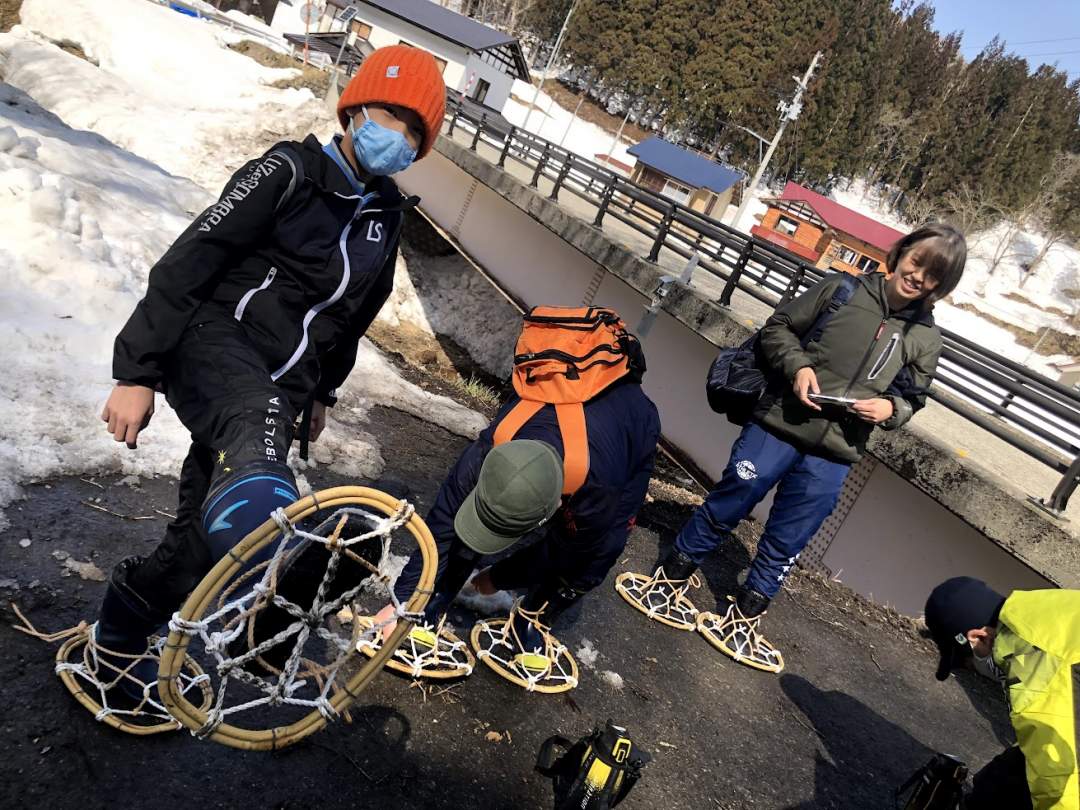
{"x":1032,"y":413}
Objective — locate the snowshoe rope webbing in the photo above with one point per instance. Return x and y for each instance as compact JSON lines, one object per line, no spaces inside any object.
{"x":93,"y":676}
{"x":219,"y":619}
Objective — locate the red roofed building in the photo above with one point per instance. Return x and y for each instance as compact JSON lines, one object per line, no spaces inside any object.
{"x":825,"y":233}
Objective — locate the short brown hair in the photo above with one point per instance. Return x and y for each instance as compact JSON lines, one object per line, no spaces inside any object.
{"x":946,"y":263}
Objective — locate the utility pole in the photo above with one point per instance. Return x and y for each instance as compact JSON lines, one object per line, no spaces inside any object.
{"x":618,"y":134}
{"x":789,"y":111}
{"x":551,"y":61}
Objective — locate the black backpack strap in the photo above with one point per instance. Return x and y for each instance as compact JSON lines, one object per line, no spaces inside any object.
{"x":841,"y":295}
{"x":545,"y":758}
{"x":287,"y":153}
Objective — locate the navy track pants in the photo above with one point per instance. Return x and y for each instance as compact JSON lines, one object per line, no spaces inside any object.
{"x":807,"y":490}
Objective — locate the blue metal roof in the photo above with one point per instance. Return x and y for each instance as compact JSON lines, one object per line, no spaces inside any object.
{"x":685,"y":166}
{"x":444,"y":22}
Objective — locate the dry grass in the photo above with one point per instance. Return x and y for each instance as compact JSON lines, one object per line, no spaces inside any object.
{"x":1050,"y":310}
{"x":315,"y":80}
{"x":9,"y":14}
{"x":477,"y":390}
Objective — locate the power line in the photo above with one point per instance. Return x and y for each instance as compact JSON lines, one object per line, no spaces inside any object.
{"x":1055,"y":53}
{"x":1038,"y":41}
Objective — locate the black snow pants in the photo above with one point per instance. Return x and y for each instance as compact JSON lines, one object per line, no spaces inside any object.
{"x":241,"y":425}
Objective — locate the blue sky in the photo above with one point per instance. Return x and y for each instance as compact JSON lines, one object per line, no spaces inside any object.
{"x":1042,"y":30}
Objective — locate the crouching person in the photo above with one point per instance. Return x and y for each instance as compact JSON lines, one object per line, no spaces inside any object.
{"x":570,"y":476}
{"x":869,"y":342}
{"x":1030,"y":644}
{"x":251,"y":318}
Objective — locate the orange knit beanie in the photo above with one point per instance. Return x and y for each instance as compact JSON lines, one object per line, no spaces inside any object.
{"x":402,"y":75}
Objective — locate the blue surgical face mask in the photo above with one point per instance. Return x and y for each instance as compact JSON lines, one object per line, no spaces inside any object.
{"x":380,"y":150}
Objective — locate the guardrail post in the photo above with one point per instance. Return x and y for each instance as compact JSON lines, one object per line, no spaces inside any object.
{"x":563,"y":172}
{"x":661,"y":235}
{"x":793,"y":286}
{"x":506,"y":146}
{"x":736,"y":273}
{"x":479,"y":132}
{"x":605,"y":201}
{"x":535,"y":182}
{"x":454,"y":118}
{"x":1059,"y":498}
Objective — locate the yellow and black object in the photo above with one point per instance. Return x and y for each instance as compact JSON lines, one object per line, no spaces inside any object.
{"x":594,"y":773}
{"x":937,"y":785}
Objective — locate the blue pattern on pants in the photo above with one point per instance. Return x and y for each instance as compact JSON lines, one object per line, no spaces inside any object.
{"x":808,"y":488}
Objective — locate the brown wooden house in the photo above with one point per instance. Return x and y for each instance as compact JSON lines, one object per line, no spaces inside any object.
{"x":825,"y":233}
{"x":684,"y":176}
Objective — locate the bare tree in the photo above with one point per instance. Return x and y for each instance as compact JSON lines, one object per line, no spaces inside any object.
{"x":919,"y":208}
{"x":1054,"y":208}
{"x":969,"y":209}
{"x":1060,"y":216}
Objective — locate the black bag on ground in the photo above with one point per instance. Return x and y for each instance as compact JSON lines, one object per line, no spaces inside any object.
{"x":937,"y":785}
{"x":596,"y":772}
{"x":740,"y":374}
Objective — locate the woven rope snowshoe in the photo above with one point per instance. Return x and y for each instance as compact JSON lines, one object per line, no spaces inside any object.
{"x":426,"y":652}
{"x":310,"y":672}
{"x":114,"y":686}
{"x":661,"y":599}
{"x":549,"y":667}
{"x":737,"y":637}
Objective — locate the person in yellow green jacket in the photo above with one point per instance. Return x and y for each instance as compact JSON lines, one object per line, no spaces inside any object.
{"x":1030,"y":643}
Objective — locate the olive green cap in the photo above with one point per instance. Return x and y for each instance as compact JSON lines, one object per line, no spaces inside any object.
{"x":519,"y":488}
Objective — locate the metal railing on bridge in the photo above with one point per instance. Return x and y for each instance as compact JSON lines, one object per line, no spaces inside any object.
{"x":1032,"y":413}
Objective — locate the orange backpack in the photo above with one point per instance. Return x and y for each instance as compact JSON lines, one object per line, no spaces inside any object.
{"x":565,"y":357}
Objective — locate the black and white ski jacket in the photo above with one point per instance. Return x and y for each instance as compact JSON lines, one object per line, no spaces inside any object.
{"x":292,"y":252}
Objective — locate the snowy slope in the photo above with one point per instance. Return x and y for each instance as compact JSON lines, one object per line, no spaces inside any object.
{"x":82,"y":220}
{"x":80,"y":223}
{"x":166,"y":88}
{"x":550,"y":121}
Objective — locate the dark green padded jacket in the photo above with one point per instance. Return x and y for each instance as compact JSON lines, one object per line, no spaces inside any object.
{"x":865,"y":351}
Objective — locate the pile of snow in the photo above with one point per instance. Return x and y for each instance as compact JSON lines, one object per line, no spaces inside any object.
{"x":82,"y":220}
{"x":550,"y":121}
{"x":444,"y":295}
{"x":348,"y":448}
{"x":587,"y":654}
{"x":166,"y":89}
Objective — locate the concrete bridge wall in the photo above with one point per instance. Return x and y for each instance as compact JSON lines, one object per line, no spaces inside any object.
{"x":889,"y":537}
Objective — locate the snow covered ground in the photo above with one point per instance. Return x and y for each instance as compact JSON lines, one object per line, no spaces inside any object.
{"x":550,"y":121}
{"x":166,"y":87}
{"x":93,"y":189}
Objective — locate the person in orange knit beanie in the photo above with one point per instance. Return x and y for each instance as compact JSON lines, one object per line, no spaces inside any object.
{"x":250,"y":320}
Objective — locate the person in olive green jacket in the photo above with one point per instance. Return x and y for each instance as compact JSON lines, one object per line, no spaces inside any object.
{"x":878,"y":350}
{"x":1030,"y":644}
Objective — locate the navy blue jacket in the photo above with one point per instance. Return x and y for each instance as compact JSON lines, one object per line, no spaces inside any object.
{"x":623,"y":428}
{"x":293,"y":252}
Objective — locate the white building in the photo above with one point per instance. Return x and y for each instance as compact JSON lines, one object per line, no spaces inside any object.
{"x":475,"y":59}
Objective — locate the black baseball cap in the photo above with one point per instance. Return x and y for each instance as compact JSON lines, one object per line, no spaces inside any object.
{"x":956,"y":606}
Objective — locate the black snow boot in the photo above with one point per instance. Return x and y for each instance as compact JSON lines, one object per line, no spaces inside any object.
{"x":122,"y":632}
{"x":676,"y":565}
{"x":750,"y":602}
{"x":546,"y":602}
